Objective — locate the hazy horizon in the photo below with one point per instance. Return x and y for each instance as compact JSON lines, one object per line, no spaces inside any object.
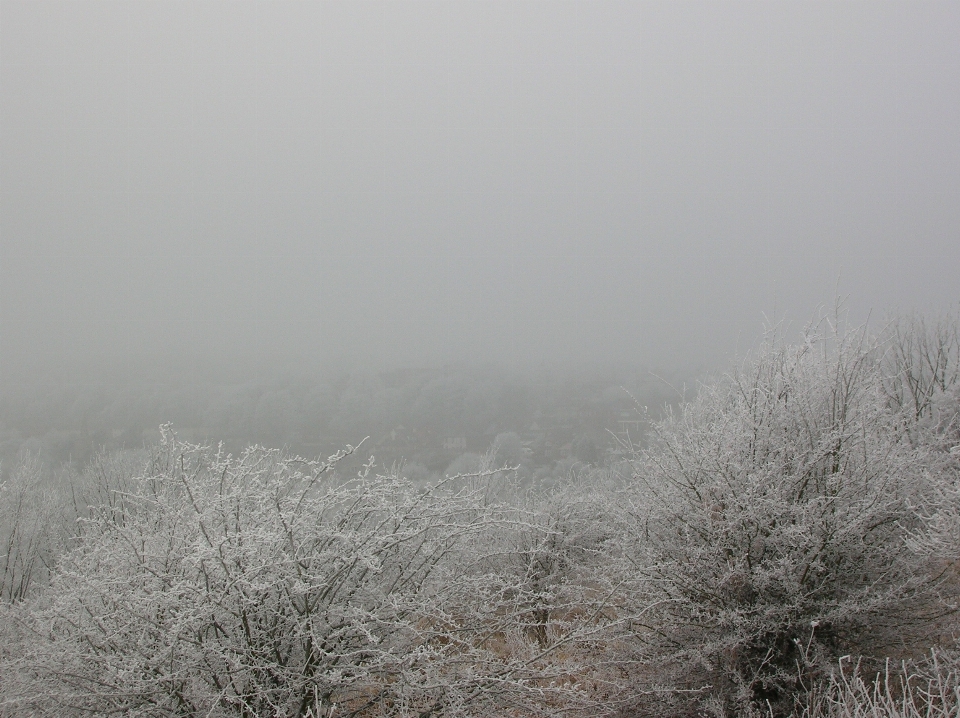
{"x":380,"y":184}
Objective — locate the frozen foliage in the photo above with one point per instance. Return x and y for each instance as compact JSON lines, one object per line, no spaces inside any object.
{"x":28,"y":536}
{"x":765,"y":550}
{"x":771,"y":515}
{"x":924,"y":689}
{"x":921,"y":365}
{"x":267,"y":586}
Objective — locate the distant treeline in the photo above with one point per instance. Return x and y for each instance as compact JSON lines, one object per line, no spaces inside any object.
{"x":423,"y":417}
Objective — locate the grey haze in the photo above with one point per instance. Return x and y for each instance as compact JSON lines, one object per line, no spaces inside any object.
{"x":387,"y":183}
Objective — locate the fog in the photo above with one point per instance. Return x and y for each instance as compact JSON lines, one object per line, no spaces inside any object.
{"x":403,"y":183}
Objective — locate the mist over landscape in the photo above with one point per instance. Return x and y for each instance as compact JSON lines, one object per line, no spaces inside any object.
{"x":568,"y":269}
{"x":409,"y":183}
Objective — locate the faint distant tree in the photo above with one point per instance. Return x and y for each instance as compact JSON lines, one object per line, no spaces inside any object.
{"x":921,"y":362}
{"x":585,"y":449}
{"x":440,"y":403}
{"x":30,"y":537}
{"x":361,"y":405}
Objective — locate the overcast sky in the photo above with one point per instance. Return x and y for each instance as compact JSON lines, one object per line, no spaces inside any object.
{"x":411,"y":182}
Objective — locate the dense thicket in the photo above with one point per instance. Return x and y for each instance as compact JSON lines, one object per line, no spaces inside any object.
{"x":801,"y":509}
{"x":260,"y":585}
{"x":773,"y":514}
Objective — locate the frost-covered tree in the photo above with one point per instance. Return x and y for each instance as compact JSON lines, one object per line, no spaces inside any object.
{"x":771,"y":516}
{"x":263,"y":585}
{"x":921,"y":363}
{"x":921,"y":366}
{"x":29,"y":530}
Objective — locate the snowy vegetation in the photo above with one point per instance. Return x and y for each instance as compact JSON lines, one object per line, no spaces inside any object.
{"x":784,"y":543}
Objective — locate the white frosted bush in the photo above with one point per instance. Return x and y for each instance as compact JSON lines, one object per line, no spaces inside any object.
{"x":771,"y":514}
{"x":263,"y":585}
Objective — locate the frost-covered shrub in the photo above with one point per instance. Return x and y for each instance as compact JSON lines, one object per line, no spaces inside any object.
{"x":921,"y":370}
{"x":30,"y":536}
{"x":920,"y":365}
{"x":770,"y":517}
{"x":263,"y":585}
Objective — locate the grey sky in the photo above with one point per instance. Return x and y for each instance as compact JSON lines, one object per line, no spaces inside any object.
{"x":397,"y":182}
